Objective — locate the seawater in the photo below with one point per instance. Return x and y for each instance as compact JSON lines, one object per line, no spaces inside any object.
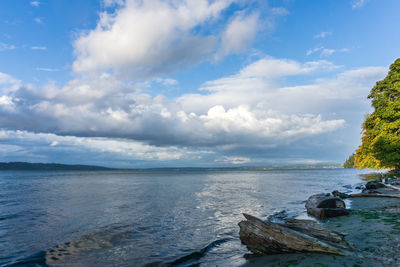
{"x":148,"y":217}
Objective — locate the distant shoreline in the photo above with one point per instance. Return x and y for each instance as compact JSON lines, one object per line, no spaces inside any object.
{"x":28,"y":166}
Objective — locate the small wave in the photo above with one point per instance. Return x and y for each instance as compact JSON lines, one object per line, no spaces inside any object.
{"x":37,"y":259}
{"x":189,"y":260}
{"x":9,"y":216}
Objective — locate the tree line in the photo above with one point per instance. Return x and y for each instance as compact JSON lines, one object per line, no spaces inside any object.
{"x":380,"y":148}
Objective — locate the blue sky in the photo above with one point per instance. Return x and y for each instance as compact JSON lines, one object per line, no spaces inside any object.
{"x":190,"y":82}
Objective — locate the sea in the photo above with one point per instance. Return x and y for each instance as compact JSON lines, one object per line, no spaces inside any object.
{"x":159,"y":217}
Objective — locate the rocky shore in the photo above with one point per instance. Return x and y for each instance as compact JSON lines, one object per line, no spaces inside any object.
{"x":372,"y":227}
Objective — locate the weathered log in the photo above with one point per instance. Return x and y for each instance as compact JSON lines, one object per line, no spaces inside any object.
{"x":392,"y":187}
{"x":317,"y":230}
{"x":325,"y":206}
{"x":344,"y":195}
{"x":264,"y":238}
{"x":373,"y":195}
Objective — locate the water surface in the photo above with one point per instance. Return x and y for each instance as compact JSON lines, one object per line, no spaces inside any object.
{"x":149,"y":217}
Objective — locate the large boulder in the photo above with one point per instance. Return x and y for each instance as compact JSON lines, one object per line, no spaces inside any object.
{"x":324,"y":206}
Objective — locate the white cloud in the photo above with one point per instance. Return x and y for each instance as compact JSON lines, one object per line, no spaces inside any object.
{"x":265,"y":70}
{"x":326,"y":52}
{"x":167,"y":81}
{"x":252,"y":110}
{"x":6,"y":101}
{"x":314,"y":50}
{"x":35,"y":3}
{"x":4,"y":46}
{"x":238,"y":35}
{"x":358,"y":3}
{"x":28,"y":141}
{"x":147,"y":39}
{"x":8,"y":83}
{"x":54,"y":143}
{"x":38,"y":47}
{"x":279,"y":11}
{"x":239,"y":108}
{"x":38,"y":20}
{"x":234,"y":160}
{"x":108,"y":3}
{"x":47,"y":69}
{"x":322,"y":35}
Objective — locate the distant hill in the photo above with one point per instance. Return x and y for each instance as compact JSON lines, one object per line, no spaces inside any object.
{"x":21,"y":166}
{"x":252,"y":168}
{"x":48,"y":167}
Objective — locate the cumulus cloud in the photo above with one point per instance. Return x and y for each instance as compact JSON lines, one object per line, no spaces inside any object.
{"x":118,"y":152}
{"x":249,"y":114}
{"x":142,"y":39}
{"x":250,"y":107}
{"x":146,"y":38}
{"x":238,"y":35}
{"x":8,"y":83}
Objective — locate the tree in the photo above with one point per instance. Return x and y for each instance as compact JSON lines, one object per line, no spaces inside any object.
{"x":349,"y":163}
{"x":380,"y":146}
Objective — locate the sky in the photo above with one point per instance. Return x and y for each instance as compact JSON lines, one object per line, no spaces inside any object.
{"x":190,"y":83}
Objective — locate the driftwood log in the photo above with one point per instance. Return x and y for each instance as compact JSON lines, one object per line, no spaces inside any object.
{"x":324,"y":206}
{"x":317,"y":230}
{"x":344,"y":195}
{"x":373,"y":195}
{"x":265,"y":237}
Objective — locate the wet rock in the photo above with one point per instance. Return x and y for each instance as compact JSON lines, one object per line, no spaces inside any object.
{"x":375,"y":184}
{"x":324,"y":206}
{"x":340,"y":194}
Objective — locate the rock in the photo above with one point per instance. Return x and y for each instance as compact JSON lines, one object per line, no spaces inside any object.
{"x":369,"y":191}
{"x":340,"y":194}
{"x":375,"y":184}
{"x":324,"y":206}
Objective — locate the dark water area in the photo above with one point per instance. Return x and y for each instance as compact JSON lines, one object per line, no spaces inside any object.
{"x":138,"y":218}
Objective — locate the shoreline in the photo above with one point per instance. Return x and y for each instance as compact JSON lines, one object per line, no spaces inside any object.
{"x":373,"y":227}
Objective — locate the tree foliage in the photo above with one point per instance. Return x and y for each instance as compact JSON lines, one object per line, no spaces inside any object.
{"x":380,"y":146}
{"x":349,"y":163}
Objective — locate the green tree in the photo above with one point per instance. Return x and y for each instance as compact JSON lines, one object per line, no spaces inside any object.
{"x":349,"y":163}
{"x":380,"y":146}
